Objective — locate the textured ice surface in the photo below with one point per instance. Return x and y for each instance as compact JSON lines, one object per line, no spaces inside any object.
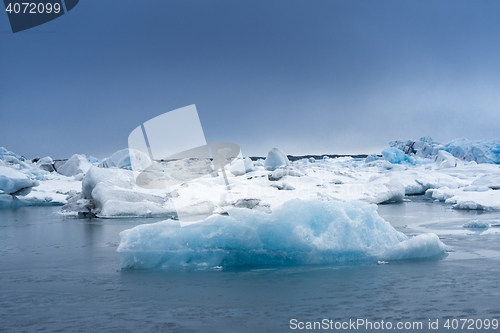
{"x":114,"y":193}
{"x":75,"y":165}
{"x":444,"y":159}
{"x":395,"y":156}
{"x":481,"y":151}
{"x":241,"y":166}
{"x":15,"y":182}
{"x":124,"y":158}
{"x":297,"y":233}
{"x":476,"y":224}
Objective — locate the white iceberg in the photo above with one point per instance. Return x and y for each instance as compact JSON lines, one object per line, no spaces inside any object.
{"x":241,"y":166}
{"x":75,"y":165}
{"x":113,"y":193}
{"x":124,"y":159}
{"x":46,"y":163}
{"x":13,"y":182}
{"x":444,"y":159}
{"x":275,"y":158}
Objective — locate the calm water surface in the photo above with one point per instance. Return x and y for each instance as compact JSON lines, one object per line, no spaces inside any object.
{"x":63,"y":275}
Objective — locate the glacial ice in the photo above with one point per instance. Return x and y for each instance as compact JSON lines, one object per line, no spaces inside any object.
{"x":75,"y":165}
{"x":46,"y":163}
{"x":395,"y":156}
{"x":113,"y":193}
{"x":275,"y":158}
{"x":297,"y":233}
{"x":240,"y":166}
{"x":33,"y":184}
{"x":14,"y":182}
{"x":124,"y":159}
{"x":476,"y":224}
{"x":481,"y":151}
{"x":443,"y":159}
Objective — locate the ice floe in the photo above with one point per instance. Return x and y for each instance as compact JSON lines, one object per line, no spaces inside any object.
{"x":297,"y":233}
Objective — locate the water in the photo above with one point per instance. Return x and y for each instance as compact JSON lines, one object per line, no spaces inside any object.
{"x":62,"y":275}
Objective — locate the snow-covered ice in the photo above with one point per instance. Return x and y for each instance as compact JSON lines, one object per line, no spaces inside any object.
{"x":109,"y":188}
{"x":14,"y":182}
{"x":75,"y":165}
{"x":125,"y":159}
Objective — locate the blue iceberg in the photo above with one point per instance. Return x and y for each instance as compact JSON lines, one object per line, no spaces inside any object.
{"x":297,"y":233}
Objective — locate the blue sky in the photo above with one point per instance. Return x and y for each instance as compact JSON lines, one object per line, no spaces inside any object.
{"x":305,"y":76}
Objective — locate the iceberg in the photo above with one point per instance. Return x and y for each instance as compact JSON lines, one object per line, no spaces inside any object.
{"x":240,"y":166}
{"x":113,"y":193}
{"x":46,"y":163}
{"x":481,"y":151}
{"x":19,"y":163}
{"x":124,"y":158}
{"x":75,"y":165}
{"x":476,"y":224}
{"x":444,"y":159}
{"x":13,"y":182}
{"x":300,"y":232}
{"x":395,"y":156}
{"x":275,"y":158}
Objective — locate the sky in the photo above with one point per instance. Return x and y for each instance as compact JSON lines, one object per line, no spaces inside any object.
{"x":309,"y":77}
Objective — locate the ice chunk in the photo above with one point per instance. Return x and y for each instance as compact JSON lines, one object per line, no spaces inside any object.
{"x":385,"y":190}
{"x":489,"y":181}
{"x":240,"y":166}
{"x":284,"y":171}
{"x":19,"y":163}
{"x":444,"y":159}
{"x":482,"y":151}
{"x":46,"y":163}
{"x":462,"y":198}
{"x":476,"y":224}
{"x":93,"y":160}
{"x":9,"y":157}
{"x":395,"y":156}
{"x":371,"y":158}
{"x":418,"y":247}
{"x":113,"y":193}
{"x":75,"y":165}
{"x":124,"y":158}
{"x":275,"y":158}
{"x":14,"y":182}
{"x":297,"y":233}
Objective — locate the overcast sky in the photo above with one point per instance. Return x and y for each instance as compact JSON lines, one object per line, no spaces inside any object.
{"x":309,"y":77}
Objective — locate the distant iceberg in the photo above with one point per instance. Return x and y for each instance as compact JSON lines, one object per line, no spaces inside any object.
{"x":299,"y":232}
{"x":34,"y":182}
{"x":481,"y":151}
